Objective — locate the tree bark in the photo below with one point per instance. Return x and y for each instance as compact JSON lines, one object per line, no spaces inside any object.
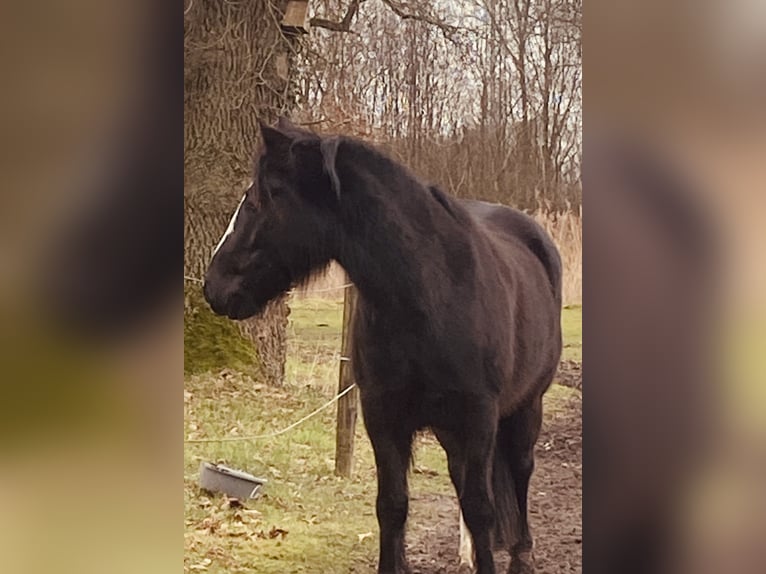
{"x":234,"y":75}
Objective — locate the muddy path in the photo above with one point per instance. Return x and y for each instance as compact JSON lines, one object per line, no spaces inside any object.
{"x":555,"y":507}
{"x":555,"y":502}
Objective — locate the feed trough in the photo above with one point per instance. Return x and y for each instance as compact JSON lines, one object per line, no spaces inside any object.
{"x":231,"y":482}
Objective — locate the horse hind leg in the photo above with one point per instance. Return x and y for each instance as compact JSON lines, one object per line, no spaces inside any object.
{"x":477,"y":505}
{"x":466,"y":551}
{"x":470,"y":459}
{"x":518,"y":435}
{"x":455,"y":459}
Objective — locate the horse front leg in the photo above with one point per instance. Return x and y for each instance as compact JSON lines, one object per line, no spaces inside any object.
{"x":393,"y":449}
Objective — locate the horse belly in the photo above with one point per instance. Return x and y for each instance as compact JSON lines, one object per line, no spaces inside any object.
{"x":532,"y":372}
{"x":440,"y":410}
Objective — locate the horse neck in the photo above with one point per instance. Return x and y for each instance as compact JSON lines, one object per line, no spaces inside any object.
{"x":394,"y":245}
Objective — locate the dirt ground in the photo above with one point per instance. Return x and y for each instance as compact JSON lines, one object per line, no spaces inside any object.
{"x":555,"y":497}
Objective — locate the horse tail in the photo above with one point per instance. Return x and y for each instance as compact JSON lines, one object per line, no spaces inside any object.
{"x":507,"y":516}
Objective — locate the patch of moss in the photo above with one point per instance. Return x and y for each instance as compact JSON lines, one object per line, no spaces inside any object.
{"x":212,"y":343}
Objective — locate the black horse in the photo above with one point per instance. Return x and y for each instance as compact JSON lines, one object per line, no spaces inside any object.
{"x":457,"y":327}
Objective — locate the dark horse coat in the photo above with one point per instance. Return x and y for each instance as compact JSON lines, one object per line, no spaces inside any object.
{"x":457,"y":326}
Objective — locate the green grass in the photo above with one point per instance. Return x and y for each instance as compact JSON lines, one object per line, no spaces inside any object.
{"x":319,"y":512}
{"x":571,"y":330}
{"x":308,"y":520}
{"x":314,"y":336}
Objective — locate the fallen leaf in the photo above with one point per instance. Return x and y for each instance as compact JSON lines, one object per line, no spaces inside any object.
{"x":201,"y":565}
{"x":275,"y":532}
{"x":361,"y":537}
{"x":275,"y":472}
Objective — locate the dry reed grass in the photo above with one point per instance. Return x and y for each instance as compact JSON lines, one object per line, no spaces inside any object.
{"x":565,"y":228}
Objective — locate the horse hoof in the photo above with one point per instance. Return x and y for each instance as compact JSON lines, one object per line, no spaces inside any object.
{"x":521,"y":564}
{"x":464,"y":569}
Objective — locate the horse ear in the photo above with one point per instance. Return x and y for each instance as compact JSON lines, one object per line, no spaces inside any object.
{"x":329,"y":149}
{"x":274,"y":139}
{"x":285,"y":124}
{"x":293,"y":130}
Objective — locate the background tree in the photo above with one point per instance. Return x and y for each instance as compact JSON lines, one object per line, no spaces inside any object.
{"x":483,"y":96}
{"x":237,"y":70}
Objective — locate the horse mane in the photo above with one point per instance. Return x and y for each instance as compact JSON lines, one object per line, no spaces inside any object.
{"x":405,"y":236}
{"x":378,"y":156}
{"x":430,"y":191}
{"x":447,"y":202}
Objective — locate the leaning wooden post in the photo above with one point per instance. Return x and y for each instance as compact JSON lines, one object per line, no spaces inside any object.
{"x":347,"y":404}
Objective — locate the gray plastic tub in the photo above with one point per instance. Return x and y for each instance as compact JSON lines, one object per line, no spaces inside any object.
{"x":234,"y":483}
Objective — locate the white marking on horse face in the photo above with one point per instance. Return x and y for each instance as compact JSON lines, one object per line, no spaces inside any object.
{"x":230,"y":228}
{"x":465,"y":552}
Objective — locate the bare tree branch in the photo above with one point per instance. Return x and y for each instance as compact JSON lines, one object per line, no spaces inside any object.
{"x":344,"y":25}
{"x":403,"y":13}
{"x":493,"y":109}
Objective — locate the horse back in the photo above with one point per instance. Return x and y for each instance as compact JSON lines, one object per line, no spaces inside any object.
{"x":513,"y":226}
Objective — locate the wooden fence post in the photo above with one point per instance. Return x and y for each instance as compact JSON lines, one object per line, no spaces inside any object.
{"x":348,"y":403}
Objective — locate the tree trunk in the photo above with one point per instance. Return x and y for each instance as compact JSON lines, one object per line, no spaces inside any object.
{"x":236,"y":71}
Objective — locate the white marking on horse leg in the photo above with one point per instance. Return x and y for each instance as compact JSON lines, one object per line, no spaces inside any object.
{"x":230,"y":228}
{"x":466,"y":545}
